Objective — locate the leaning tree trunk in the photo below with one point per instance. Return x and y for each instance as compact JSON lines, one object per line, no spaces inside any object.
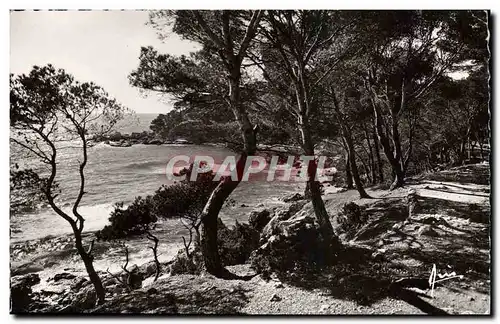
{"x":225,"y":188}
{"x":86,"y":256}
{"x":354,"y":168}
{"x":399,"y":177}
{"x":314,"y":186}
{"x":209,"y":216}
{"x":89,"y":266}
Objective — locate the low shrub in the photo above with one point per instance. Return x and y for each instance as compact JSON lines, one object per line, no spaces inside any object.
{"x":132,"y":220}
{"x":184,"y":264}
{"x":185,"y":199}
{"x":235,"y":247}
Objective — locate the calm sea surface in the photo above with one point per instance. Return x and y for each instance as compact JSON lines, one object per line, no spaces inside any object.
{"x":116,"y":174}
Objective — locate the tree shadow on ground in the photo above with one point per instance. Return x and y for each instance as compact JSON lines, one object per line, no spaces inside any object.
{"x":476,"y":174}
{"x":475,"y":194}
{"x":380,"y":218}
{"x":365,"y":275}
{"x":358,"y":277}
{"x":478,"y":190}
{"x":461,"y":249}
{"x":474,"y":212}
{"x":182,"y":295}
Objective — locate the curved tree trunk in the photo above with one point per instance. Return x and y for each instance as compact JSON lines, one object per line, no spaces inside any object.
{"x":210,"y":214}
{"x":232,"y":60}
{"x":347,"y":139}
{"x":398,"y":178}
{"x":76,"y":225}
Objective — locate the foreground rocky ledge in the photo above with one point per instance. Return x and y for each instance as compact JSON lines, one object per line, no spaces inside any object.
{"x":384,"y":268}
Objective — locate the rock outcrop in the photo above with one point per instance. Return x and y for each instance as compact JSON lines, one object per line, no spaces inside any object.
{"x":292,"y":240}
{"x":258,"y":219}
{"x":280,"y":215}
{"x":21,"y":293}
{"x":293,"y":197}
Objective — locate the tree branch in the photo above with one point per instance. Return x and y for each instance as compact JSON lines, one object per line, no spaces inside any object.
{"x":250,"y":33}
{"x":207,"y":30}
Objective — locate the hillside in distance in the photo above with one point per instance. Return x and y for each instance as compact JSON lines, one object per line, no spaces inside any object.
{"x":135,"y":123}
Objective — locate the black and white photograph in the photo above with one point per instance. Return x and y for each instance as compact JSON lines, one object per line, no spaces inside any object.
{"x":250,"y":162}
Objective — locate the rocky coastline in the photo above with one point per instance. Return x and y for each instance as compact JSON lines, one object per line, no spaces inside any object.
{"x":118,"y":139}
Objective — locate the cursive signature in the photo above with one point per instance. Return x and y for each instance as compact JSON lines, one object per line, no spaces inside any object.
{"x":438,"y":277}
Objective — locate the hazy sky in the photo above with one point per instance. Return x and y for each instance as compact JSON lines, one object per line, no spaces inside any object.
{"x":99,"y":46}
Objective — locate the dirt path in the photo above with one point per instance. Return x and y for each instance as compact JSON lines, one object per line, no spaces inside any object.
{"x":449,"y":228}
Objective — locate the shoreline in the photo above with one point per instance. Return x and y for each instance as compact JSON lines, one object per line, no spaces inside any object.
{"x":168,"y":231}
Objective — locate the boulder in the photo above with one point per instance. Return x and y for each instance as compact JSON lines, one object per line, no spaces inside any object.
{"x":155,"y":142}
{"x":279,"y":216}
{"x":258,"y":219}
{"x":63,"y":276}
{"x":148,"y":269}
{"x":293,"y":197}
{"x":27,"y":280}
{"x":295,"y":243}
{"x":21,"y":292}
{"x":79,"y":283}
{"x":121,"y":143}
{"x":427,"y":230}
{"x":295,"y":207}
{"x":85,"y":299}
